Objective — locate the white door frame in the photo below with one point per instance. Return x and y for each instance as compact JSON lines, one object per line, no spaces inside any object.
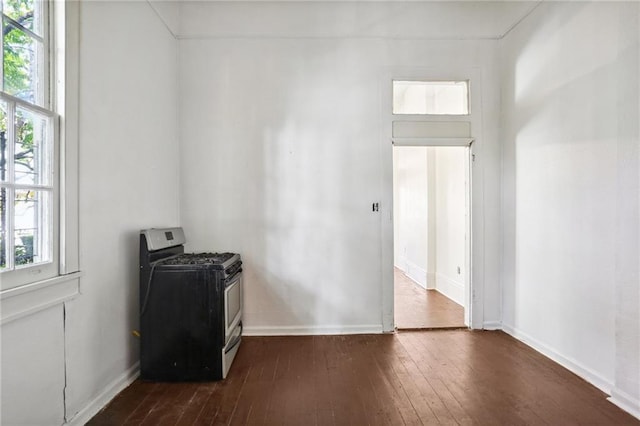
{"x":474,"y":312}
{"x":462,"y":143}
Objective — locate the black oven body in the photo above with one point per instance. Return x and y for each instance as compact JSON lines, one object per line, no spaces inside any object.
{"x":186,"y":332}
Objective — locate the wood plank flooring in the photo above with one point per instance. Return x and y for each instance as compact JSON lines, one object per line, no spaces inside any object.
{"x":408,"y":378}
{"x":417,"y":308}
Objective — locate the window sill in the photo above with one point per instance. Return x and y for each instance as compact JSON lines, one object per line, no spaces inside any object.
{"x":25,"y":300}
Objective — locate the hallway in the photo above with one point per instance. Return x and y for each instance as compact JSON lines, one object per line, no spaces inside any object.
{"x":417,"y":308}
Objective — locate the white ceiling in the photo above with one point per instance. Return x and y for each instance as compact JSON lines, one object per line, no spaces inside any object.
{"x":339,"y":18}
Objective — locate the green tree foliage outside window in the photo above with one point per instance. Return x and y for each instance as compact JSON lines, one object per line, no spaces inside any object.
{"x":19,"y":59}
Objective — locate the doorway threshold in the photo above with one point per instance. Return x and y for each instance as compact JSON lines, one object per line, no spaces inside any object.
{"x":449,"y":328}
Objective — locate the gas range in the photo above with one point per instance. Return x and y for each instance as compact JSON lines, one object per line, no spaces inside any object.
{"x":190,"y":309}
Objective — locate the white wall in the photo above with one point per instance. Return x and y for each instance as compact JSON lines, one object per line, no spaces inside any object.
{"x":281,"y":162}
{"x":278,"y":164}
{"x":33,"y":369}
{"x":451,"y":221}
{"x":293,"y":90}
{"x":411,"y":212}
{"x":626,"y":390}
{"x":128,"y":180}
{"x":570,"y":194}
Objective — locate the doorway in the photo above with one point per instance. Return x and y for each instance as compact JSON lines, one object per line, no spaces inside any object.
{"x":431,"y":236}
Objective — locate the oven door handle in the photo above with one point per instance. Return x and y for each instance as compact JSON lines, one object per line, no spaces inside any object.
{"x":232,"y":278}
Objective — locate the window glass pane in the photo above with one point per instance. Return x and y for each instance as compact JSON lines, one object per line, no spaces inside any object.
{"x":431,"y":97}
{"x":3,"y":228}
{"x":32,"y":227}
{"x":28,"y":222}
{"x":22,"y":55}
{"x":25,"y":12}
{"x":31,"y":149}
{"x":3,"y":142}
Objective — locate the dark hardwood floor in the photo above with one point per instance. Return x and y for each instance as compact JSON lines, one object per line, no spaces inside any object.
{"x":417,"y":308}
{"x":417,"y":377}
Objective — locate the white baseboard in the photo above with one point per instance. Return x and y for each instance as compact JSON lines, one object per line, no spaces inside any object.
{"x":492,"y":325}
{"x":454,"y":290}
{"x":570,"y":364}
{"x":110,"y":391}
{"x":625,"y":401}
{"x":311,"y":330}
{"x":417,"y":274}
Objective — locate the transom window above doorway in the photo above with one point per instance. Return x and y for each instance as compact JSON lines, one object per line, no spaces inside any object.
{"x":430,"y":97}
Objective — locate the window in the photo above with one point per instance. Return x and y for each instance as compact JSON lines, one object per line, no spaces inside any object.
{"x":28,"y":152}
{"x":431,"y":97}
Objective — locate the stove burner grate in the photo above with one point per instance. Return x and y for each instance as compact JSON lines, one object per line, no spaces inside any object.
{"x":199,"y":259}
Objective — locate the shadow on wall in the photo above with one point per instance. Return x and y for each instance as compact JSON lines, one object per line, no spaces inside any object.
{"x":312,"y":254}
{"x":560,"y":173}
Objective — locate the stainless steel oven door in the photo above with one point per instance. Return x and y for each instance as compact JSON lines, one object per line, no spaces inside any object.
{"x":231,"y":349}
{"x":232,"y":305}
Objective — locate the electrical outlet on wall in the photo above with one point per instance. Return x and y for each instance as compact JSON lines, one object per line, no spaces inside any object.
{"x":458,"y":270}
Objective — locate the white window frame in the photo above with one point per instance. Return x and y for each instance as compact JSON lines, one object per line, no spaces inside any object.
{"x":66,"y":77}
{"x":14,"y":275}
{"x":38,"y":288}
{"x":431,"y":81}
